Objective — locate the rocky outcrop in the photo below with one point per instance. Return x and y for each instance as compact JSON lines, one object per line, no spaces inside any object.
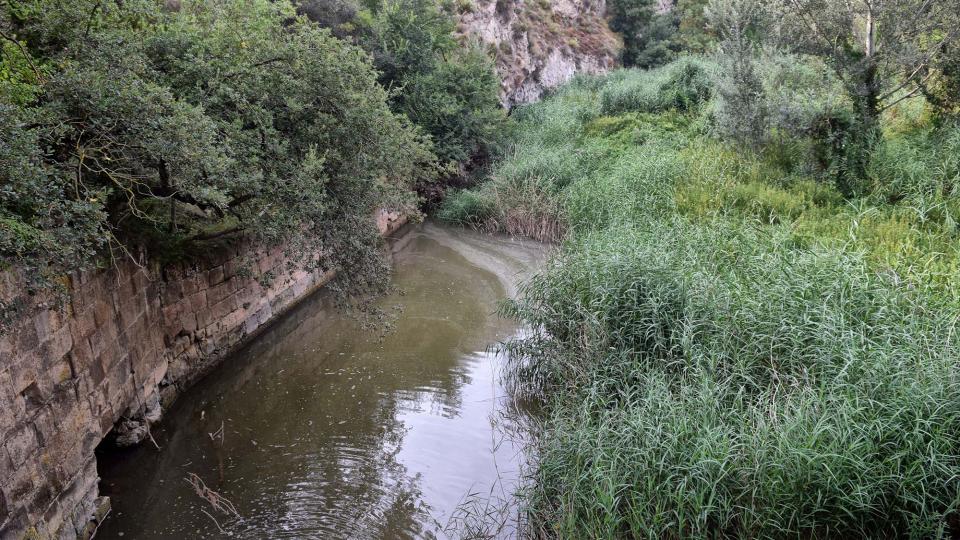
{"x":108,"y":359}
{"x":540,"y":44}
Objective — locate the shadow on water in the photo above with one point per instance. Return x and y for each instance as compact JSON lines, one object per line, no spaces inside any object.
{"x":329,"y":431}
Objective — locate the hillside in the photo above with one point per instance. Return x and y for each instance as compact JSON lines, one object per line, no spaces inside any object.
{"x":540,"y":44}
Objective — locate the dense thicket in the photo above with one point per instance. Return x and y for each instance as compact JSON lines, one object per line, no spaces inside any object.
{"x":173,"y":125}
{"x":653,"y":36}
{"x":442,"y":82}
{"x":732,"y":342}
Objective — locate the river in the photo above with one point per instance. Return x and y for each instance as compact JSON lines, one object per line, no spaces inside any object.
{"x":321,"y":429}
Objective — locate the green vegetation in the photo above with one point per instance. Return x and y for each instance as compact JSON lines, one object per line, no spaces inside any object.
{"x":729,"y":343}
{"x":174,"y":125}
{"x":447,"y":88}
{"x":451,"y":91}
{"x":138,"y":124}
{"x":652,"y":37}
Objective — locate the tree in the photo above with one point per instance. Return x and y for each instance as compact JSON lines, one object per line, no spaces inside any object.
{"x":175,"y":127}
{"x":648,"y":35}
{"x":882,"y":50}
{"x":693,"y":31}
{"x":406,"y":37}
{"x":449,"y":89}
{"x":742,"y":110}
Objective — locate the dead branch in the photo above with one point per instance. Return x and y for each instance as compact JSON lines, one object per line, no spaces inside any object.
{"x":217,"y":501}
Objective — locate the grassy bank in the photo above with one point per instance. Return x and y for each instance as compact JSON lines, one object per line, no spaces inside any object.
{"x":726,"y":345}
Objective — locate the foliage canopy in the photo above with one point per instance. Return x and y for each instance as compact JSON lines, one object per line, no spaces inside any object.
{"x":176,"y":124}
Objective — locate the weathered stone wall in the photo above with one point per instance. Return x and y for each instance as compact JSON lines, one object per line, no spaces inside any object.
{"x":109,"y":359}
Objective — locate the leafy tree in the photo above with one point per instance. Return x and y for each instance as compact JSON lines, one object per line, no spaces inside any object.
{"x":337,"y":15}
{"x":406,"y":37}
{"x":693,"y":31}
{"x":883,"y":51}
{"x":177,"y":126}
{"x":447,"y":88}
{"x":457,"y":103}
{"x":648,"y":36}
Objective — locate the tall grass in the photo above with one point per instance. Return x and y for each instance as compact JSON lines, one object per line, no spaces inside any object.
{"x":720,"y":383}
{"x":726,"y":347}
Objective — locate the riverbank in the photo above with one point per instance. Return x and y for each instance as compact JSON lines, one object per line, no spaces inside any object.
{"x":727,"y":345}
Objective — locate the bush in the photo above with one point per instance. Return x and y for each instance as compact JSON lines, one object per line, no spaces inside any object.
{"x":449,"y":90}
{"x":179,"y":127}
{"x":457,"y":103}
{"x":683,"y":85}
{"x":466,"y":207}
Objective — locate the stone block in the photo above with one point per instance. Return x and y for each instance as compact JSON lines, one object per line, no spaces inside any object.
{"x":83,"y":323}
{"x":24,"y":372}
{"x":21,"y":443}
{"x":6,"y":350}
{"x":188,"y":322}
{"x":198,"y":302}
{"x":59,"y":345}
{"x":173,"y":290}
{"x":189,"y":286}
{"x":230,"y":268}
{"x":43,"y":324}
{"x":219,"y":311}
{"x":216,"y":276}
{"x":42,"y":496}
{"x":44,"y":426}
{"x":58,"y":372}
{"x":25,"y":339}
{"x":131,"y":311}
{"x":235,"y":319}
{"x":103,"y":339}
{"x":172,"y":319}
{"x":65,"y":403}
{"x":251,"y":324}
{"x":53,"y":519}
{"x":180,"y":344}
{"x":142,"y":279}
{"x":217,"y":293}
{"x":17,"y":525}
{"x":6,"y":465}
{"x":103,"y":312}
{"x":4,"y":508}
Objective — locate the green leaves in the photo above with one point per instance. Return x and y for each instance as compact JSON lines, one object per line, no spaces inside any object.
{"x":167,"y":127}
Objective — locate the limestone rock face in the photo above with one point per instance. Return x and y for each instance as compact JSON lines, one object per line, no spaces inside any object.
{"x":540,"y":44}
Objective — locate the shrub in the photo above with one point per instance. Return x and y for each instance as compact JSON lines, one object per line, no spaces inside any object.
{"x":457,"y":103}
{"x":450,"y":90}
{"x":466,"y":207}
{"x":183,"y":126}
{"x":683,"y":85}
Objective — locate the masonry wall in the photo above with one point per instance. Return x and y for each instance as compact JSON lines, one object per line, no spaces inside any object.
{"x":110,"y":359}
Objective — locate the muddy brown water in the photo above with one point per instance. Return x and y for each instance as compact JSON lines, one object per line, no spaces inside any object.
{"x":330,"y":431}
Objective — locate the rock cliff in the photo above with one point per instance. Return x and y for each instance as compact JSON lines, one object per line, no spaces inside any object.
{"x":540,"y":44}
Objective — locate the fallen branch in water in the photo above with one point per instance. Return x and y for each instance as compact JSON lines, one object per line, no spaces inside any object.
{"x":215,"y":522}
{"x":217,"y":501}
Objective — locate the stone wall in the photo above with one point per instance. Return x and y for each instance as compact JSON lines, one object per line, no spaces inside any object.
{"x":108,"y":360}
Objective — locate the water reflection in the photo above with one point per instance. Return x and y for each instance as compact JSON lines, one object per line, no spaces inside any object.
{"x":331,"y":432}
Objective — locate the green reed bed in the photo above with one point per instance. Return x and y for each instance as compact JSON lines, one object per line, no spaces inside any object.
{"x":727,"y":347}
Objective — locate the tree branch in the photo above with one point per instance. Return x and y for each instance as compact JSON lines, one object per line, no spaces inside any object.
{"x":25,"y":55}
